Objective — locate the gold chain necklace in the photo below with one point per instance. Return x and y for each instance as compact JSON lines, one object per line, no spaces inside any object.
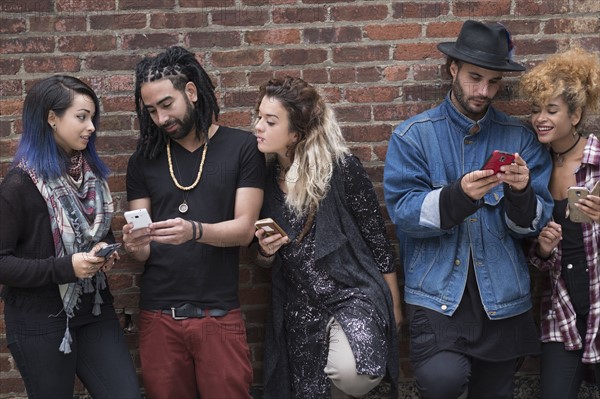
{"x":183,"y":208}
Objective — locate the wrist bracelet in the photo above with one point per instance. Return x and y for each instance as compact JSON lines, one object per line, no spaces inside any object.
{"x":264,"y":254}
{"x":200,"y":231}
{"x":193,"y":230}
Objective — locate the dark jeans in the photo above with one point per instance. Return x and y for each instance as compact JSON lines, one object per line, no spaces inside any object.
{"x":446,"y":375}
{"x":99,"y":357}
{"x":562,"y":371}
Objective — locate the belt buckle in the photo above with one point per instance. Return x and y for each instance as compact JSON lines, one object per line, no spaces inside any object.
{"x":177,"y":317}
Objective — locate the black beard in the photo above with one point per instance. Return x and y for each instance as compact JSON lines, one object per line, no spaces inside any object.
{"x":185,"y":126}
{"x":459,"y":95}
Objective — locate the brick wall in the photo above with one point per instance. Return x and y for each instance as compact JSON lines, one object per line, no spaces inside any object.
{"x":376,"y":61}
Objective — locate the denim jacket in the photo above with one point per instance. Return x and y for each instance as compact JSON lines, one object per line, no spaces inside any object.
{"x":432,"y":150}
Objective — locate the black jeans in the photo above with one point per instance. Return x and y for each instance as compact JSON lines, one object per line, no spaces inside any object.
{"x":446,"y":375}
{"x":99,"y":357}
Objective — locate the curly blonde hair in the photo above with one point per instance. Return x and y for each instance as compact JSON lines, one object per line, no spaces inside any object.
{"x":573,"y":75}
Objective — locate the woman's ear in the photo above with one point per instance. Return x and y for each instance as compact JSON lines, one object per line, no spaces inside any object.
{"x":191,"y":91}
{"x":52,"y":119}
{"x":576,"y":116}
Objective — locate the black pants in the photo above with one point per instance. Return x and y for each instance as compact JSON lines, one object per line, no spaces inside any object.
{"x":99,"y":356}
{"x":446,"y":375}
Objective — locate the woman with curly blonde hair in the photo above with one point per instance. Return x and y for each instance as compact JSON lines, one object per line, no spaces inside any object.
{"x":561,"y":90}
{"x":335,"y":300}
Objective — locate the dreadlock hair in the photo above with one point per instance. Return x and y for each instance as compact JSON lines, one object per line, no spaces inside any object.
{"x":180,"y":67}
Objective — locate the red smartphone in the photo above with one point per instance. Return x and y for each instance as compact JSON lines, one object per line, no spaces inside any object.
{"x":497,"y":159}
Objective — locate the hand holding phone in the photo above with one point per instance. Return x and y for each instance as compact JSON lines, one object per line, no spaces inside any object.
{"x":270,"y":227}
{"x":498,"y":159}
{"x":575,"y":214}
{"x":108,"y":250}
{"x":139,"y":218}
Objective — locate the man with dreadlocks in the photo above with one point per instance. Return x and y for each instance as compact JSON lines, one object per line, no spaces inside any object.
{"x":203,"y":187}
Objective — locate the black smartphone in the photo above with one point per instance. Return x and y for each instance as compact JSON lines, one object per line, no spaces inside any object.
{"x":108,"y":250}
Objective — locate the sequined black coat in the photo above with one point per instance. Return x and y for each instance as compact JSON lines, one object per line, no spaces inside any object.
{"x":333,"y":272}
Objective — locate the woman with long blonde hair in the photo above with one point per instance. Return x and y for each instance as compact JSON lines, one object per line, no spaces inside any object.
{"x":335,"y":301}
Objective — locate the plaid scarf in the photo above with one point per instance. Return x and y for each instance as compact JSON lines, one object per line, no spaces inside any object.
{"x":80,"y":211}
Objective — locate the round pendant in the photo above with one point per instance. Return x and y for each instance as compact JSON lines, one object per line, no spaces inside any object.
{"x":183,"y":208}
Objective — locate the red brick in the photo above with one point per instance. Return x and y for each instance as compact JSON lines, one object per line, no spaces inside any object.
{"x":343,"y":34}
{"x":543,"y":46}
{"x":298,"y":56}
{"x":573,"y":26}
{"x":114,"y":84}
{"x":363,"y":152}
{"x":9,"y":146}
{"x":13,"y":25}
{"x":10,"y":88}
{"x":178,"y":20}
{"x":588,"y":43}
{"x":233,"y":79}
{"x":13,"y":384}
{"x":331,"y":95}
{"x":87,"y":43}
{"x":372,"y":94}
{"x":84,"y":5}
{"x":52,"y":65}
{"x":238,"y":58}
{"x":273,"y":36}
{"x":426,"y":72}
{"x":535,"y":8}
{"x":368,"y":74}
{"x":117,"y":143}
{"x":354,"y":113}
{"x":206,"y":3}
{"x":419,"y":10}
{"x":423,"y":92}
{"x":150,"y":40}
{"x":38,"y":6}
{"x":112,"y":62}
{"x":30,"y":44}
{"x":482,"y":8}
{"x":120,"y":20}
{"x":239,"y":17}
{"x":257,"y":78}
{"x":318,"y":76}
{"x":118,"y":103}
{"x":9,"y":66}
{"x":119,"y":281}
{"x":299,"y":15}
{"x":361,"y":54}
{"x":523,"y":26}
{"x":266,"y":2}
{"x":392,"y":31}
{"x":5,"y":130}
{"x":359,"y":13}
{"x":240,"y":98}
{"x":586,"y":6}
{"x":395,"y":73}
{"x":444,"y":29}
{"x":213,"y":39}
{"x":236,"y":118}
{"x":380,"y":151}
{"x":254,"y":295}
{"x":416,"y":51}
{"x":10,"y":106}
{"x":399,"y":112}
{"x":57,"y":24}
{"x":146,"y":4}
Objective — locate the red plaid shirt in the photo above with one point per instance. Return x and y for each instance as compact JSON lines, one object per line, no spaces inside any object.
{"x":558,"y":316}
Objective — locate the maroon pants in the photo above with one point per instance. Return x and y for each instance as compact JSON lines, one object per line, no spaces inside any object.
{"x":207,"y":355}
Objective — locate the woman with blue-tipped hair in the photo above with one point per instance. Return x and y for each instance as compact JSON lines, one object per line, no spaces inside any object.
{"x":56,"y":210}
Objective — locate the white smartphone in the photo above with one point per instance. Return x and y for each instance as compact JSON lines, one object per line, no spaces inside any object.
{"x":139,"y":217}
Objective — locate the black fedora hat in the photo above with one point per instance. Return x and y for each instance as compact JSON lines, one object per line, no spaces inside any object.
{"x":486,"y":45}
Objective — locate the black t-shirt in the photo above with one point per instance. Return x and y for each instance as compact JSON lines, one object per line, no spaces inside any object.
{"x":200,"y":274}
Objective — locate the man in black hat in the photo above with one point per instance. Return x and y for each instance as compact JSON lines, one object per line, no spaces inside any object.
{"x":460,"y":225}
